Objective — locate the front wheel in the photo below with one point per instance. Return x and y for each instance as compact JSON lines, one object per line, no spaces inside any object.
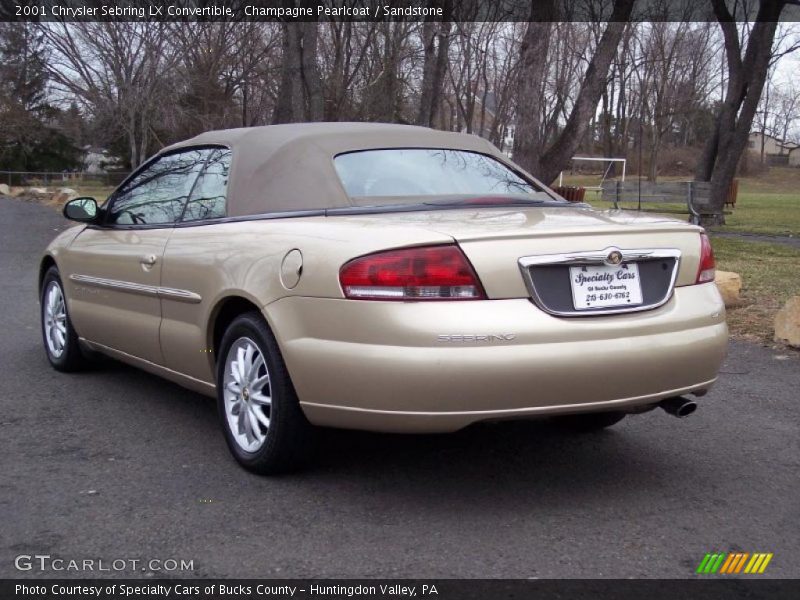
{"x":261,"y":417}
{"x":59,"y":337}
{"x":588,"y":422}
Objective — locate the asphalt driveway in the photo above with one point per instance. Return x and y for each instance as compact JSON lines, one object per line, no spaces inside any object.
{"x":117,"y":464}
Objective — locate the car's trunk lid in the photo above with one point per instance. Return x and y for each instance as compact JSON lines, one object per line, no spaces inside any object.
{"x":496,"y":239}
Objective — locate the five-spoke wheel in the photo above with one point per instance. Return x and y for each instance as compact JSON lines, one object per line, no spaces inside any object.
{"x":264,"y":425}
{"x":55,"y":319}
{"x":58,"y":335}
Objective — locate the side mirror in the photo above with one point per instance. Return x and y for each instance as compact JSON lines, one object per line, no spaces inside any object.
{"x":81,"y":209}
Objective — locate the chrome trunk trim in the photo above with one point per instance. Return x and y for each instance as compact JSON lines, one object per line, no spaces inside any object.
{"x":598,"y":257}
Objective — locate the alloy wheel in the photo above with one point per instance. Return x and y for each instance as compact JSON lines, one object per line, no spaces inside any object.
{"x":55,"y":320}
{"x":247,"y":394}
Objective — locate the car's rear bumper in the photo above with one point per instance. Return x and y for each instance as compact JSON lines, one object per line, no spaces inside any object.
{"x":385,"y":366}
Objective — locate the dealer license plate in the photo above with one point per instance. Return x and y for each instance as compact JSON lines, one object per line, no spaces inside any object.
{"x":602,"y":286}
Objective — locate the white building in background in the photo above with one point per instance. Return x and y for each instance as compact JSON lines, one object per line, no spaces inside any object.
{"x":794,"y":157}
{"x":96,"y":160}
{"x":777,"y":152}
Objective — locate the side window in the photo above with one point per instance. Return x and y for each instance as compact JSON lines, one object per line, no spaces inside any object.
{"x":208,"y":196}
{"x":157,"y":194}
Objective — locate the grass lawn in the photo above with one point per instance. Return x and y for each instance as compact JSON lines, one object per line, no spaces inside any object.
{"x":765,"y":213}
{"x":770,"y":276}
{"x":766,"y":205}
{"x":95,"y":190}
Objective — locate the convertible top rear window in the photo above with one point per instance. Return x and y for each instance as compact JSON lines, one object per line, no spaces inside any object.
{"x":400,"y":175}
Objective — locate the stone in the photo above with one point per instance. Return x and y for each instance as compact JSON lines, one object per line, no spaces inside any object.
{"x":730,"y":286}
{"x":787,"y":323}
{"x":63,"y":195}
{"x":4,"y":190}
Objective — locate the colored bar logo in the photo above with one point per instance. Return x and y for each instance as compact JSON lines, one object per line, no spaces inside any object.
{"x":732,"y":563}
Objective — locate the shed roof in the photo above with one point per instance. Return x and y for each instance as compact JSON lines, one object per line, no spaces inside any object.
{"x":290,"y":167}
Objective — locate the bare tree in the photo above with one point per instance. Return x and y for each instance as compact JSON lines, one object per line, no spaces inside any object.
{"x":530,"y":149}
{"x":344,"y":48}
{"x":290,"y":96}
{"x":218,"y":66}
{"x":603,"y":85}
{"x":301,"y":92}
{"x":787,"y":110}
{"x":435,"y":65}
{"x":312,"y":83}
{"x":120,"y":70}
{"x":671,"y":85}
{"x":388,"y":70}
{"x":746,"y":77}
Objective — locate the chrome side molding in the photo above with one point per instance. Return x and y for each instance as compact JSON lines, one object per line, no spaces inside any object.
{"x":137,"y":288}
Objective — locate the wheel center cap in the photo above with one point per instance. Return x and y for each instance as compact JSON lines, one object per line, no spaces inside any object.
{"x":246,"y":394}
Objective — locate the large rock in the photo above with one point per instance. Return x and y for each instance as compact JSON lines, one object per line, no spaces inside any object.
{"x":730,"y":286}
{"x":63,"y":195}
{"x":787,"y":323}
{"x":5,"y":190}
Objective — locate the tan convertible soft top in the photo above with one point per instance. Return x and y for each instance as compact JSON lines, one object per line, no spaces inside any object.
{"x":290,"y":167}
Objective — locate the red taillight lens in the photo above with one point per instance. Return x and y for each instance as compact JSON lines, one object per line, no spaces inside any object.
{"x":428,"y":273}
{"x":707,"y":270}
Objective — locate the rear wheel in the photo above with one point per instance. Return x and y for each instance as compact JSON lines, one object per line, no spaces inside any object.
{"x":588,"y":422}
{"x":264,"y":426}
{"x":59,"y":337}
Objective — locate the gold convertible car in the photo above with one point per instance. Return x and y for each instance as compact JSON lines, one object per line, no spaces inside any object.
{"x":380,"y":277}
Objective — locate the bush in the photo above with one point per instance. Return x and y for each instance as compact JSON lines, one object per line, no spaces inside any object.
{"x":678,"y":161}
{"x":750,"y":165}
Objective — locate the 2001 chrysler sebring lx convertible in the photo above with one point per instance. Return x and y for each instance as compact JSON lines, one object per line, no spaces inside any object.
{"x":379,"y":277}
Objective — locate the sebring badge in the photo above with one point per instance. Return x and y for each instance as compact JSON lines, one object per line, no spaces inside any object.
{"x":466,"y":337}
{"x":614,"y":258}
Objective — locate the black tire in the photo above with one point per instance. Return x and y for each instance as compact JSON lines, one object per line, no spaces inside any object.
{"x":290,"y":438}
{"x":71,"y":357}
{"x":588,"y":422}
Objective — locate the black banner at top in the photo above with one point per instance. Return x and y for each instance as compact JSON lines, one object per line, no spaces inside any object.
{"x":378,"y":10}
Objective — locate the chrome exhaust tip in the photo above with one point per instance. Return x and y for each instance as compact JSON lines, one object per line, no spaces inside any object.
{"x":678,"y":407}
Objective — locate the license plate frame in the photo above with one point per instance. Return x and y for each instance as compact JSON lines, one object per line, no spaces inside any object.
{"x":600,"y":287}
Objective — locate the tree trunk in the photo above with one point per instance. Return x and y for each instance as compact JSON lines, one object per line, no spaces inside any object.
{"x":312,"y":82}
{"x":290,"y":97}
{"x":528,"y":149}
{"x":442,"y":55}
{"x":655,"y":146}
{"x":434,"y":65}
{"x":764,"y":125}
{"x":528,"y":142}
{"x":132,"y":142}
{"x":735,"y":119}
{"x":424,"y":115}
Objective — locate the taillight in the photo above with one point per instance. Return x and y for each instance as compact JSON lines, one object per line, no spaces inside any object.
{"x":706,"y":271}
{"x":426,"y":273}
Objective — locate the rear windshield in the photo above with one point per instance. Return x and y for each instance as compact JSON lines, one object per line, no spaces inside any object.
{"x":400,"y":175}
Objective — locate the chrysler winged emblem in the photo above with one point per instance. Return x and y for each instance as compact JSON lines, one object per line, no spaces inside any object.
{"x":614,"y":257}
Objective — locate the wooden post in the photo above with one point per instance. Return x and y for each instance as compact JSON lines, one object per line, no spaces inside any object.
{"x":694,"y":216}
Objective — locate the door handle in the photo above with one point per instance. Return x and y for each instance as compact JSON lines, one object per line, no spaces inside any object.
{"x":149,"y":260}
